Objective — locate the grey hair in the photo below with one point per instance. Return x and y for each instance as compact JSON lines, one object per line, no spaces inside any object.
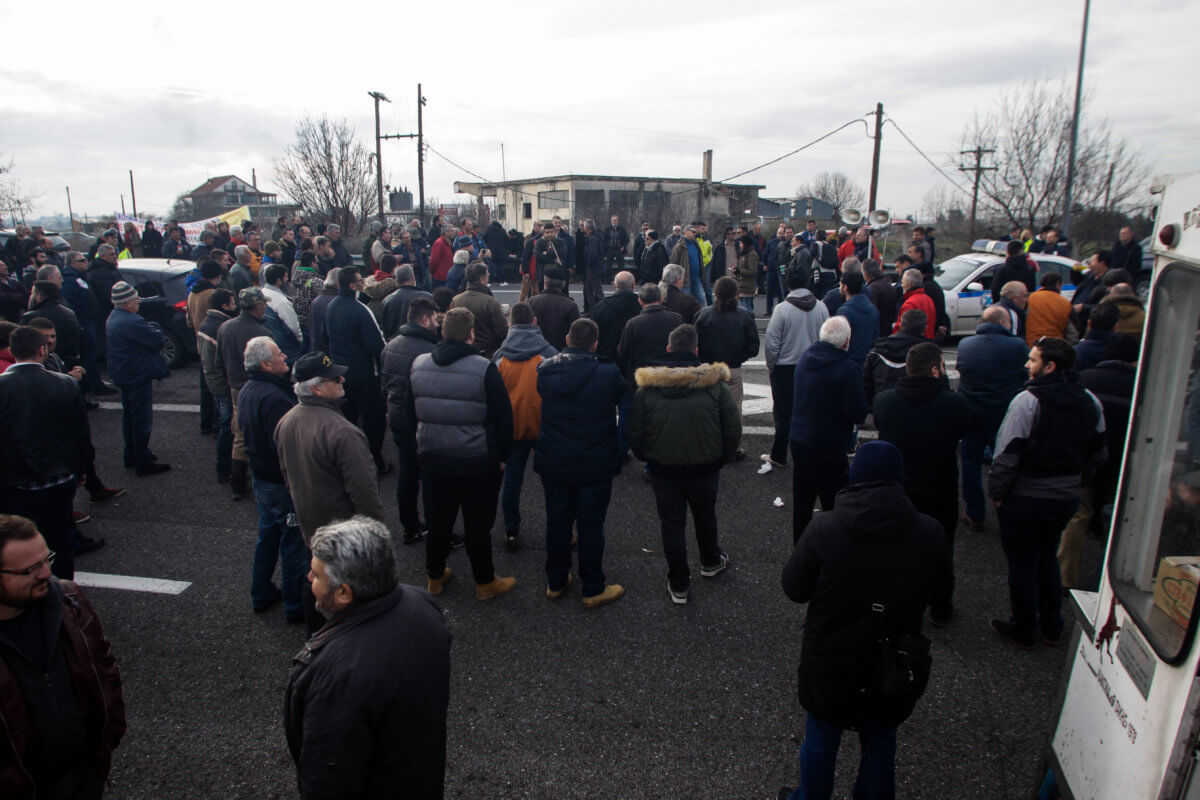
{"x":624,"y":280}
{"x":447,"y":229}
{"x":851,"y":264}
{"x":242,"y":250}
{"x":836,"y":331}
{"x":331,"y":228}
{"x":671,"y":274}
{"x":46,"y":273}
{"x":911,"y":278}
{"x":104,"y":249}
{"x":257,"y":351}
{"x":357,"y":553}
{"x":74,"y":254}
{"x":871,"y":268}
{"x":235,"y":230}
{"x":1013,"y":289}
{"x":305,"y":388}
{"x":462,"y":257}
{"x":996,"y":315}
{"x":404,"y":274}
{"x":331,"y":278}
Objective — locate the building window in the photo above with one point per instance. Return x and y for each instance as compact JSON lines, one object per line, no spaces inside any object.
{"x":527,"y":211}
{"x":559,"y":198}
{"x":627,"y":198}
{"x":231,"y":200}
{"x":502,"y":211}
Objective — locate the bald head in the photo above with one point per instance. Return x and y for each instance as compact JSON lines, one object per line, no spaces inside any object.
{"x":996,"y":316}
{"x":624,"y":280}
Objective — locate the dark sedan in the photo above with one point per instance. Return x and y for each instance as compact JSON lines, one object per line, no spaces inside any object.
{"x":162,"y":286}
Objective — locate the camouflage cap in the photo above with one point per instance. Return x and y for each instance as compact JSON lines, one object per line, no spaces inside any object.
{"x":250,"y":298}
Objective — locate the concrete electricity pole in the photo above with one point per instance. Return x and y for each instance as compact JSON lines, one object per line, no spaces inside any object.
{"x":875,"y":158}
{"x":978,"y":169}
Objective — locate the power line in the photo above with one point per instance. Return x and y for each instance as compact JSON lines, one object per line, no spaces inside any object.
{"x":922,"y":153}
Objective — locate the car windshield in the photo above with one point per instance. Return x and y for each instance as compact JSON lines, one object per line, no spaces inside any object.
{"x":951,"y":273}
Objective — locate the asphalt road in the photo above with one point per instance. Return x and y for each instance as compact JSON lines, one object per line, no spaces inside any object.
{"x":642,"y":699}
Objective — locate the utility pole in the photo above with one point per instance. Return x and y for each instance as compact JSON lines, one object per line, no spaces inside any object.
{"x":378,"y":163}
{"x":875,"y":159}
{"x":421,"y":155}
{"x":122,"y":205}
{"x":978,"y":169}
{"x":1108,"y":185}
{"x":70,"y":213}
{"x":132,"y":193}
{"x":503,"y":171}
{"x":1066,"y":220}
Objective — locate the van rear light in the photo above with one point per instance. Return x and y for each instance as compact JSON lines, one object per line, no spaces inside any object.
{"x":181,"y":305}
{"x":1168,"y":235}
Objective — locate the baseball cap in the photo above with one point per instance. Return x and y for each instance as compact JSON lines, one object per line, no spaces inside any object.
{"x":316,"y":365}
{"x":251,"y":297}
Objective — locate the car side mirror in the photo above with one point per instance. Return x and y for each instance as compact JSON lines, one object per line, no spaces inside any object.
{"x":974,"y":286}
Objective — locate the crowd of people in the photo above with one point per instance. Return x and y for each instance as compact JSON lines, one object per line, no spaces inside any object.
{"x":308,"y":361}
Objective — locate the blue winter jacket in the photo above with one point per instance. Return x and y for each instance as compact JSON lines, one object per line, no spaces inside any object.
{"x":577,"y":441}
{"x":355,"y":340}
{"x":829,"y":399}
{"x":133,"y":349}
{"x":991,"y":370}
{"x":863,"y":317}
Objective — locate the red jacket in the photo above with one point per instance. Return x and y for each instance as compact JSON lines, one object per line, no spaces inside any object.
{"x":441,"y":259}
{"x":97,"y":686}
{"x":847,"y":250}
{"x":916,"y":298}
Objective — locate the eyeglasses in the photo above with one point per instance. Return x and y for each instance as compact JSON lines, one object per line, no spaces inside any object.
{"x":48,"y":561}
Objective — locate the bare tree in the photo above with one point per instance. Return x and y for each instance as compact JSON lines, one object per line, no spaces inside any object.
{"x":182,"y":208}
{"x":13,"y":199}
{"x":1030,"y":131}
{"x":836,"y":189}
{"x":328,"y":172}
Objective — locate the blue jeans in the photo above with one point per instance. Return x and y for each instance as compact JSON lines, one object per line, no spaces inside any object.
{"x":696,"y":288}
{"x":277,"y":541}
{"x":818,"y":759}
{"x":137,"y":409}
{"x":747,"y":303}
{"x":208,"y":411}
{"x":510,"y":489}
{"x":972,"y":473}
{"x":568,"y":505}
{"x":224,"y":407}
{"x":623,"y":406}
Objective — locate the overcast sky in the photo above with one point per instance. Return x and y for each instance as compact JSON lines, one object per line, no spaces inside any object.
{"x":628,"y":88}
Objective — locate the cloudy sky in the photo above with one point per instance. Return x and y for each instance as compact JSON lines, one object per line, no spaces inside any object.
{"x":629,"y":88}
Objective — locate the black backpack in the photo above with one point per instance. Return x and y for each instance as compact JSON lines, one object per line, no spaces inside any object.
{"x":826,"y":256}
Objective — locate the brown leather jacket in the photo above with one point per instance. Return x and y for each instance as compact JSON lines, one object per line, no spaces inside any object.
{"x":97,"y":685}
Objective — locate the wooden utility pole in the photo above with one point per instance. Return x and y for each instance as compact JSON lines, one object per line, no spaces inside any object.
{"x":978,"y":169}
{"x":875,"y":158}
{"x":132,"y":193}
{"x":421,"y":155}
{"x":379,"y":137}
{"x":70,"y":213}
{"x":1066,"y":218}
{"x":122,"y":205}
{"x":378,"y":162}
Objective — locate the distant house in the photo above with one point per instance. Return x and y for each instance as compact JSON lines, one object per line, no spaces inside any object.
{"x":227,"y":192}
{"x":661,"y":202}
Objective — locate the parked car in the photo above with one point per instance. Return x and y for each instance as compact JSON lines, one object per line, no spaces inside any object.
{"x":60,"y":244}
{"x":162,"y":286}
{"x":967,"y":281}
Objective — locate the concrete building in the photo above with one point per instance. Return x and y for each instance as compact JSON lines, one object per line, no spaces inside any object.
{"x":661,"y":202}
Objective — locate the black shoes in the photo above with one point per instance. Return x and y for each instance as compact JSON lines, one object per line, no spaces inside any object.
{"x":385,"y":468}
{"x":104,"y":391}
{"x":86,"y":544}
{"x":412,"y":537}
{"x":152,"y":468}
{"x":1007,"y":630}
{"x":106,"y":493}
{"x":276,"y":596}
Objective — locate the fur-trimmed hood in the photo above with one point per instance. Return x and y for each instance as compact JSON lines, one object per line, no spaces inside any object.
{"x":682,"y":379}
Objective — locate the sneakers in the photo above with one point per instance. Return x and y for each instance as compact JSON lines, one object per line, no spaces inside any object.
{"x":1009,"y":631}
{"x":275,"y":597}
{"x":105,"y":493}
{"x":417,"y":535}
{"x":716,"y":569}
{"x":678,"y":596}
{"x":78,"y":517}
{"x":512,"y":542}
{"x":767,"y":458}
{"x":612,"y":593}
{"x":554,"y":595}
{"x":497,"y":587}
{"x":434,"y":585}
{"x":153,"y":468}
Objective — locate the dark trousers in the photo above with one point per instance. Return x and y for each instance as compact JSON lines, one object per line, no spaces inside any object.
{"x":973,"y":444}
{"x":409,"y":484}
{"x":224,"y":426}
{"x":576,"y":504}
{"x":815,"y":473}
{"x":612,"y":264}
{"x":783,"y":394}
{"x":50,"y":510}
{"x":208,"y":409}
{"x":510,"y":487}
{"x":137,"y":411}
{"x":623,"y":407}
{"x":944,"y":508}
{"x":88,"y":349}
{"x":1029,"y":531}
{"x":593,"y":291}
{"x":818,"y":761}
{"x":674,"y":496}
{"x":775,"y":293}
{"x":476,"y":496}
{"x":278,"y":535}
{"x":364,"y":399}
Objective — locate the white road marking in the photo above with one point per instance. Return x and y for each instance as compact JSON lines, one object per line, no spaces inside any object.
{"x":96,"y":580}
{"x":188,"y":408}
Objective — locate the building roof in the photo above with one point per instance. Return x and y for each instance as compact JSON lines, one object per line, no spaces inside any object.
{"x":212,"y":185}
{"x":615,"y":178}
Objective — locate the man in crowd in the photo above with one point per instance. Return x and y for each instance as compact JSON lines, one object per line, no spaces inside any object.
{"x":281,"y":318}
{"x":242,"y":275}
{"x":395,"y":306}
{"x":794,"y":327}
{"x":611,"y":313}
{"x":355,"y":342}
{"x":1101,"y":322}
{"x":46,"y":301}
{"x":654,"y":258}
{"x":1049,"y":244}
{"x":64,"y":713}
{"x":862,"y":316}
{"x":592,"y":259}
{"x":442,"y":256}
{"x":222,"y":307}
{"x":882,"y":294}
{"x":341,"y":256}
{"x":365,"y":711}
{"x":152,"y":241}
{"x":687,"y":255}
{"x":197,"y":312}
{"x":490,"y":325}
{"x":1047,"y":312}
{"x":616,"y":245}
{"x":232,"y":338}
{"x":318,"y":334}
{"x":916,"y":299}
{"x":828,"y":403}
{"x":415,"y":338}
{"x":324,"y":458}
{"x":1016,"y":267}
{"x":517,"y":360}
{"x":176,"y":247}
{"x":862,"y":247}
{"x":886,"y":363}
{"x":134,"y":363}
{"x":933,"y":290}
{"x":203,"y":251}
{"x":926,"y":421}
{"x":1127,"y":253}
{"x":645,"y":337}
{"x":464,"y":439}
{"x":265,"y":397}
{"x":675,"y":296}
{"x":48,"y":443}
{"x":1014,"y":297}
{"x":14,"y":297}
{"x":78,"y":295}
{"x":554,"y":308}
{"x":577,"y":457}
{"x":893,"y":550}
{"x":685,"y":425}
{"x":1050,"y":443}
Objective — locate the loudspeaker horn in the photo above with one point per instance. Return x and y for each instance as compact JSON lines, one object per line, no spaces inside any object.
{"x":879,"y":218}
{"x":851,"y":216}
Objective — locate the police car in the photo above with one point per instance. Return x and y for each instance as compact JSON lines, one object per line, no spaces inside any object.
{"x":967,"y":281}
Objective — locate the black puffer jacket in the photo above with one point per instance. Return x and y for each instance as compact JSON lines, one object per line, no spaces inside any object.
{"x":872,"y":548}
{"x":577,"y":441}
{"x":926,"y":421}
{"x":610,"y":316}
{"x":885,"y":363}
{"x":1014,"y":268}
{"x":66,"y":324}
{"x":44,"y":424}
{"x":728,"y":337}
{"x":395,"y":365}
